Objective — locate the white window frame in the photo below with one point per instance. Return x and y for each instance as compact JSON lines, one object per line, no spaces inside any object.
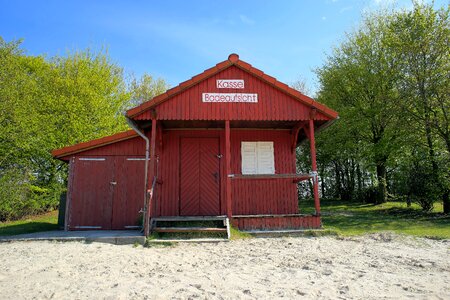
{"x":257,"y":158}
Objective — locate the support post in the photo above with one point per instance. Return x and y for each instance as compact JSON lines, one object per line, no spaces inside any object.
{"x":228,"y":168}
{"x":151,"y":176}
{"x":312,"y":143}
{"x":68,"y":211}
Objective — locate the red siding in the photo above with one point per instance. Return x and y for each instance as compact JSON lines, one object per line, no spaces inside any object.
{"x":249,"y":196}
{"x":273,"y":104}
{"x":274,"y":196}
{"x":133,"y":146}
{"x":277,"y":222}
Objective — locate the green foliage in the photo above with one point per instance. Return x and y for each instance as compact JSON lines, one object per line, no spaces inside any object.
{"x":45,"y":222}
{"x":236,"y":234}
{"x":146,"y":88}
{"x":353,"y":218}
{"x":49,"y":103}
{"x":389,"y":81}
{"x":424,"y":187}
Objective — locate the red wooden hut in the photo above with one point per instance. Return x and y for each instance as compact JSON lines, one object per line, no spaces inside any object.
{"x":219,"y":145}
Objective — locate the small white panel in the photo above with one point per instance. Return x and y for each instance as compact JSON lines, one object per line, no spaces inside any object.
{"x":265,"y":158}
{"x":248,"y":156}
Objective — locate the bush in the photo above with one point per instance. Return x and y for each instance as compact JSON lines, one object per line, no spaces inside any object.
{"x":18,"y":197}
{"x":424,"y":186}
{"x":368,"y":195}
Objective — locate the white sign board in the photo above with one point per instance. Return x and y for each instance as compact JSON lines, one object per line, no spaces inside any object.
{"x":230,"y":83}
{"x":230,"y":97}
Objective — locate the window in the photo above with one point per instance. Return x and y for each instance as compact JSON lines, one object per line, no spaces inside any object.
{"x":257,"y":158}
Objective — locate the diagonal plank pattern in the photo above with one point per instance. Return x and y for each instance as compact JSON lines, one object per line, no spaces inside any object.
{"x":200,"y":179}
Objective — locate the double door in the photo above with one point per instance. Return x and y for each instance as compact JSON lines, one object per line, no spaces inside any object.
{"x":199,"y":177}
{"x":106,"y":192}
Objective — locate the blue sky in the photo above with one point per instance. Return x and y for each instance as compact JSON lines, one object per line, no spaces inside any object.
{"x":176,"y":40}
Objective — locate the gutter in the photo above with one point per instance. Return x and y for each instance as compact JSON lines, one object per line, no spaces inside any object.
{"x":135,"y":127}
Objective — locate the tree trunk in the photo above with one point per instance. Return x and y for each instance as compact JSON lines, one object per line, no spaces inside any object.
{"x":446,"y":202}
{"x":359,"y":180}
{"x":382,"y":188}
{"x":322,"y":186}
{"x":338,"y":191}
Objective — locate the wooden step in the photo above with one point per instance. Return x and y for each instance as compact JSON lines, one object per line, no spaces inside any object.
{"x":196,"y":240}
{"x":189,"y":229}
{"x":190,"y":218}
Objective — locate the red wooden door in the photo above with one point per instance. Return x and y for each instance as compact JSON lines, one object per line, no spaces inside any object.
{"x":128,"y":197}
{"x":200,"y":177}
{"x":90,"y":204}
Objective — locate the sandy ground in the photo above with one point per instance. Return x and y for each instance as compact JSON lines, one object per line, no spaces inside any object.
{"x":369,"y":267}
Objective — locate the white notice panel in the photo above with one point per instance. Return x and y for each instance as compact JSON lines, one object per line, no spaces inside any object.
{"x":230,"y":83}
{"x":229,"y":97}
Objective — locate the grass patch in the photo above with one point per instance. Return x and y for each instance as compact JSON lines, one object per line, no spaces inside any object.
{"x":236,"y":234}
{"x":350,"y":218}
{"x":150,"y":243}
{"x":29,"y":224}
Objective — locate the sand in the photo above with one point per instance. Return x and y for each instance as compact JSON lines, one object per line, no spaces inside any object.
{"x":369,"y":267}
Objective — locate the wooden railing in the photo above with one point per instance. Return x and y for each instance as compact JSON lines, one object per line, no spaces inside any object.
{"x":294,"y":177}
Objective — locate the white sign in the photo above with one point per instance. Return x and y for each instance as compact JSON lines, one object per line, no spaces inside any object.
{"x":230,"y":97}
{"x":230,"y":83}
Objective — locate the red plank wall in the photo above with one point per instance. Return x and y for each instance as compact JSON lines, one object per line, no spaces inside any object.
{"x":273,"y":104}
{"x":129,"y":147}
{"x":269,"y":196}
{"x":249,"y":196}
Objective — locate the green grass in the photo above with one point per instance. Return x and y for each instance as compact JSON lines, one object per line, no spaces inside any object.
{"x":236,"y":234}
{"x":45,"y":222}
{"x":344,"y":218}
{"x":350,"y":218}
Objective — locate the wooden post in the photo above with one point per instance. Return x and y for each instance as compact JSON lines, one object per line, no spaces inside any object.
{"x":228,"y":169}
{"x":151,"y":175}
{"x":69,"y":193}
{"x":312,"y":143}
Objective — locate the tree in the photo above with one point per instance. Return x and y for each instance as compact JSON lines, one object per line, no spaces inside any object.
{"x":421,"y":39}
{"x":145,"y":88}
{"x":47,"y":104}
{"x":358,"y":80}
{"x":50,"y":103}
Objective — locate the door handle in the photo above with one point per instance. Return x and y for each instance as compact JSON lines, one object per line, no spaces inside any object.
{"x":113,"y":183}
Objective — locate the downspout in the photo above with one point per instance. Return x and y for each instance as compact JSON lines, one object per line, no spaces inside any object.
{"x":135,"y":127}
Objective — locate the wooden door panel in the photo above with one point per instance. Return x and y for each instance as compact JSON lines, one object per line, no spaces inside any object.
{"x":90,"y":204}
{"x":209,"y":177}
{"x":128,"y":197}
{"x":190,"y":175}
{"x":200,"y":177}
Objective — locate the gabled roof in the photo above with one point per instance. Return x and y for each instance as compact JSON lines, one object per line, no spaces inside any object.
{"x":69,"y":150}
{"x":233,"y":60}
